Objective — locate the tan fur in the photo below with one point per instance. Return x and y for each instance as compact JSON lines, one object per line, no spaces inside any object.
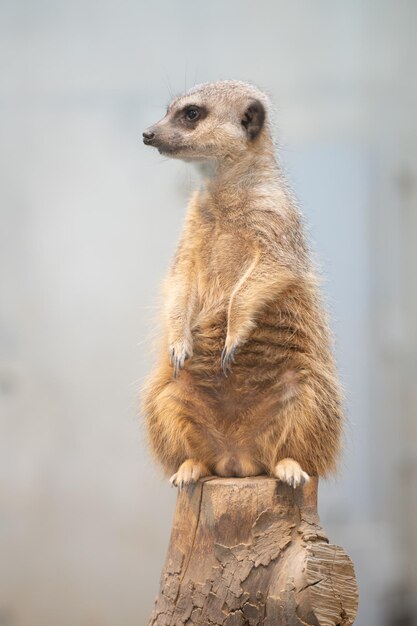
{"x":241,"y":282}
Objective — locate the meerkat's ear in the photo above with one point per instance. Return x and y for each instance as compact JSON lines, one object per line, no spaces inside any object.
{"x":253,"y":118}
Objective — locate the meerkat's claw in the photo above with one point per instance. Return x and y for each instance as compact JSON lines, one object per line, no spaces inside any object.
{"x":227,"y":358}
{"x":178,"y":354}
{"x":189,"y":472}
{"x":290,"y":472}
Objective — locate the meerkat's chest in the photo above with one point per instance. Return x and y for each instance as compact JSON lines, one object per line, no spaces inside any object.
{"x":223,"y":257}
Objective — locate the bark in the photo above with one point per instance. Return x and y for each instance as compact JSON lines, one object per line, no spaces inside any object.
{"x":251,"y":551}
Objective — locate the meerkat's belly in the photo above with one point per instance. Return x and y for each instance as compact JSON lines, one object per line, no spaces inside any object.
{"x":267,"y":372}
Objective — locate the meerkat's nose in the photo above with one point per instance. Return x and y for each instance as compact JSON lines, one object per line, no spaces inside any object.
{"x":148,"y":137}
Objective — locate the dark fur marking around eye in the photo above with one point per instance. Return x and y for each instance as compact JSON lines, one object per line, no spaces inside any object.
{"x":253,"y":119}
{"x":181,"y":116}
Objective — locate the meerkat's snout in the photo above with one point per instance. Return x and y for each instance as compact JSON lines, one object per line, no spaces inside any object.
{"x":164,"y":136}
{"x":148,"y":137}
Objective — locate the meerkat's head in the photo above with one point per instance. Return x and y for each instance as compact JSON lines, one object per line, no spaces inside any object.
{"x":212,"y":121}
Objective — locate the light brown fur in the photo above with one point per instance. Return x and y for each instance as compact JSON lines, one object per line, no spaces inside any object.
{"x":255,"y":389}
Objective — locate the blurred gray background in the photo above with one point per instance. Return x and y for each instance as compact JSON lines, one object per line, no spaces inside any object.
{"x":89,"y":221}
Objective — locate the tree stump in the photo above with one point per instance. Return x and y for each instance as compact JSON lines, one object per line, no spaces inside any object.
{"x":249,"y":551}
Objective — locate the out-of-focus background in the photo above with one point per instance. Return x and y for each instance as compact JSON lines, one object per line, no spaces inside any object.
{"x":89,"y":221}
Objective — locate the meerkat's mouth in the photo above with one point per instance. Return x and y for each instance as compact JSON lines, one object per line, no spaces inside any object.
{"x":186,"y":153}
{"x":169,"y":149}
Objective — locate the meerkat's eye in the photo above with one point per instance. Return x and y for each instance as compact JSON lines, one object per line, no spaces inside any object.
{"x":192,"y":113}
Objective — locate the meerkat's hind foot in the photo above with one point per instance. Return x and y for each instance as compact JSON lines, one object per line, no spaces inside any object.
{"x":189,"y":472}
{"x":290,"y":472}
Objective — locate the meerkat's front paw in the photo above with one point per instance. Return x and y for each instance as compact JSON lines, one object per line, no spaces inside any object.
{"x":290,"y":472}
{"x":179,"y":352}
{"x":189,"y":472}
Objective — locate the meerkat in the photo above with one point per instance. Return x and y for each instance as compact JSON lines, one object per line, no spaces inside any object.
{"x":245,"y":382}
